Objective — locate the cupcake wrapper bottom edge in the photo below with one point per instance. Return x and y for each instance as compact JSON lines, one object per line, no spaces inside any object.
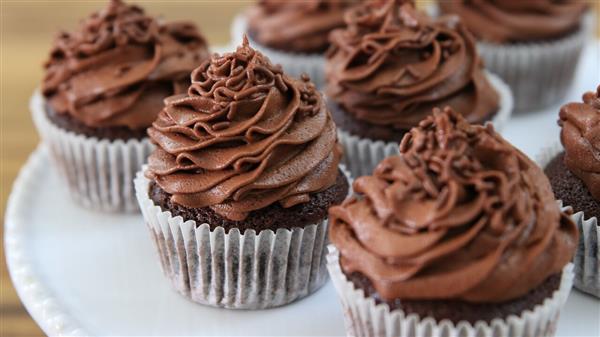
{"x":236,"y":270}
{"x":99,"y":173}
{"x":363,"y":317}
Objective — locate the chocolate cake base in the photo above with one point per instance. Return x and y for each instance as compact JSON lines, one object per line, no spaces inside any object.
{"x":67,"y":122}
{"x":457,"y":311}
{"x":570,"y":189}
{"x":363,"y":129}
{"x":271,"y":217}
{"x":347,"y":122}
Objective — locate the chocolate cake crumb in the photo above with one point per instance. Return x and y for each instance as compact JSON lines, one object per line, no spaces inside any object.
{"x":67,"y":122}
{"x":271,"y":217}
{"x":457,"y":311}
{"x":569,"y":188}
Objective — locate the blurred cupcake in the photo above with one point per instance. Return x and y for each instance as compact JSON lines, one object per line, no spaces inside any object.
{"x":292,"y":33}
{"x":533,"y":45}
{"x":458,"y":235}
{"x":574,"y":173}
{"x":237,"y":191}
{"x":104,"y":85}
{"x":390,"y":66}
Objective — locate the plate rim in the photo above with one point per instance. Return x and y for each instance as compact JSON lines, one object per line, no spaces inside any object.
{"x":43,"y":306}
{"x":38,"y":299}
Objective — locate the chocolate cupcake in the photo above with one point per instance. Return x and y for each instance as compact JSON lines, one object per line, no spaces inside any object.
{"x":292,"y":33}
{"x":390,"y":66}
{"x":574,"y":173}
{"x":237,"y":191}
{"x":533,"y":45}
{"x":104,"y":85}
{"x":459,"y":234}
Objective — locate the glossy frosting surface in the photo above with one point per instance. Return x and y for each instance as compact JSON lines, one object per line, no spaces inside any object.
{"x":392,"y":64}
{"x":243,"y":137}
{"x":517,"y":20}
{"x":580,"y":136}
{"x":459,"y":214}
{"x":117,"y":68}
{"x":296,"y":26}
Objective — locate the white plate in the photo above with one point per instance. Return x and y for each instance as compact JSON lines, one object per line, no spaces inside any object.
{"x":86,"y":273}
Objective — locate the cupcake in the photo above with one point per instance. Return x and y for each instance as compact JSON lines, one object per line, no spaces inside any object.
{"x":533,"y":45}
{"x":104,"y":85}
{"x":236,"y":193}
{"x":574,"y":173}
{"x":390,"y":66}
{"x":292,"y":33}
{"x":458,"y":235}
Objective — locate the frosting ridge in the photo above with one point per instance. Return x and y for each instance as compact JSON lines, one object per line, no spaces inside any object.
{"x":392,"y":64}
{"x":120,"y":64}
{"x":517,"y":20}
{"x":580,"y":136}
{"x":459,"y":214}
{"x":243,"y":137}
{"x":296,"y":26}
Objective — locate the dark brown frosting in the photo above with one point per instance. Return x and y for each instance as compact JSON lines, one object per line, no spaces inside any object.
{"x":245,"y":136}
{"x":580,"y":136}
{"x":393,"y":64}
{"x":517,"y":20}
{"x":296,"y":26}
{"x":117,"y":68}
{"x":458,"y":214}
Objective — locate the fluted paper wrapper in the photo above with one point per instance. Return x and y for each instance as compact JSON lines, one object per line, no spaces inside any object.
{"x":587,"y":256}
{"x":294,"y":64}
{"x":539,"y":74}
{"x":361,"y":155}
{"x":99,"y":173}
{"x":363,"y":317}
{"x":236,"y":270}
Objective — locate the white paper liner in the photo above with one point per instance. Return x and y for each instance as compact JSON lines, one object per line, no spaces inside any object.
{"x":99,"y":173}
{"x":236,"y":270}
{"x":294,"y":64}
{"x":587,"y":256}
{"x":539,"y":74}
{"x":361,"y":155}
{"x":363,"y":317}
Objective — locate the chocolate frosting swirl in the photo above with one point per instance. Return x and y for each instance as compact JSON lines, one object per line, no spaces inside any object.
{"x":393,"y":64}
{"x":458,"y":214}
{"x":517,"y":20}
{"x":117,"y":68}
{"x":580,"y":136}
{"x":245,"y":136}
{"x":296,"y":26}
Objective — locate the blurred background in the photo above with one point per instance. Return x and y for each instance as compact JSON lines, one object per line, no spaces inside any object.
{"x":26,"y":32}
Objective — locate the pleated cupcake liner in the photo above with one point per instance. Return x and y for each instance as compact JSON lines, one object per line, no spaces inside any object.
{"x":235,"y":270}
{"x":361,"y":155}
{"x":587,"y":256}
{"x":99,"y":173}
{"x":294,"y":64}
{"x":539,"y":74}
{"x":363,"y":317}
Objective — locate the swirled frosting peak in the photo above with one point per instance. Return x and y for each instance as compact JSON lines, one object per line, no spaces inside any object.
{"x":120,"y":64}
{"x":580,"y":136}
{"x":243,"y":137}
{"x":296,"y":26}
{"x":393,"y":64}
{"x":458,"y":214}
{"x":517,"y":20}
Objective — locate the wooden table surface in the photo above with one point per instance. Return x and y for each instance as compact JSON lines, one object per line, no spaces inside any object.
{"x":26,"y":33}
{"x":27,"y":29}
